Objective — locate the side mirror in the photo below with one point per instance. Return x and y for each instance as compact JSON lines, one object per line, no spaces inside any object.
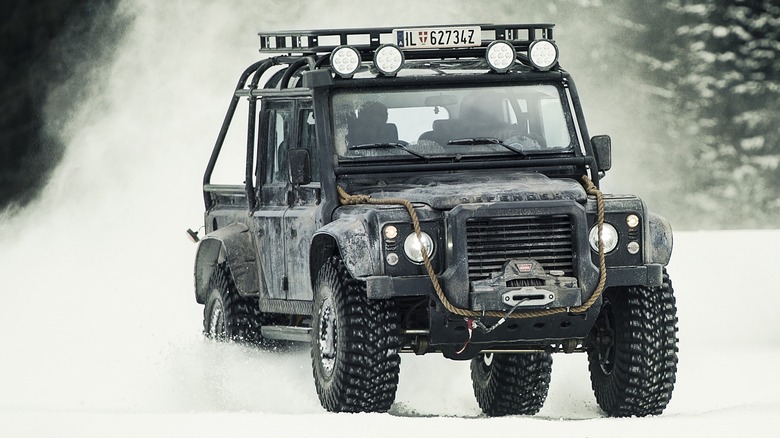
{"x":299,"y":162}
{"x":602,"y":147}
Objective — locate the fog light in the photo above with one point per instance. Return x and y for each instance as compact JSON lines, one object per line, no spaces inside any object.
{"x":388,"y":59}
{"x":608,"y":234}
{"x":413,"y":247}
{"x":345,"y":61}
{"x":632,"y":247}
{"x":543,"y":54}
{"x":501,"y":56}
{"x":392,"y":259}
{"x":632,"y":220}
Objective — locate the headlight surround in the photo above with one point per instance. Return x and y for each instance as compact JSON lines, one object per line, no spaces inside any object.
{"x":608,"y":234}
{"x":413,"y":247}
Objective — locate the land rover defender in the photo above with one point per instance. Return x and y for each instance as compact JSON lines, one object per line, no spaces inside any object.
{"x":432,"y":190}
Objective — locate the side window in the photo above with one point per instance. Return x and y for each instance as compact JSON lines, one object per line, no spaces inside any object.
{"x":277,"y":143}
{"x":309,"y":140}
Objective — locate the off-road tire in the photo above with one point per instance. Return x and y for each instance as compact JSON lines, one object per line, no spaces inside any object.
{"x":228,"y":316}
{"x":354,"y":344}
{"x":632,"y":351}
{"x":511,"y":384}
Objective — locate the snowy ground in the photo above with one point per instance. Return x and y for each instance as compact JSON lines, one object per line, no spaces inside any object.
{"x":101,"y":334}
{"x":95,"y":346}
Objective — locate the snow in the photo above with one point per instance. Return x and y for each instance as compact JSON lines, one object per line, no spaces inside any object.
{"x":97,"y":349}
{"x":101,"y":332}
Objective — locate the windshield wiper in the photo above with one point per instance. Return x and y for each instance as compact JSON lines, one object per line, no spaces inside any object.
{"x":487,"y":140}
{"x":400,"y":144}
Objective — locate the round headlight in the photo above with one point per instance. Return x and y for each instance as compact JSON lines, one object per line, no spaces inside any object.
{"x":500,"y":56}
{"x":543,"y":54}
{"x":388,"y":59}
{"x":413,"y":246}
{"x":345,"y":61}
{"x":608,"y":234}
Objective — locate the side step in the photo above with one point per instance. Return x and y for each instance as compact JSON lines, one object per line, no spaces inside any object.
{"x":285,"y":333}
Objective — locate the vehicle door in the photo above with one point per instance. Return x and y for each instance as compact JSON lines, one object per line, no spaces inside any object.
{"x":273,"y":193}
{"x":301,"y":220}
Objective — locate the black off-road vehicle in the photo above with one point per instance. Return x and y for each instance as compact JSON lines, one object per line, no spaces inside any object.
{"x":432,"y":190}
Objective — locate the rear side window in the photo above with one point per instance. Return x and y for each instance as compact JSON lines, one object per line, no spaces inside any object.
{"x":278,"y":140}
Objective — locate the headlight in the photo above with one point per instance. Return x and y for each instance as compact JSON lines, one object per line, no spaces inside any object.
{"x":413,"y":246}
{"x":608,"y":234}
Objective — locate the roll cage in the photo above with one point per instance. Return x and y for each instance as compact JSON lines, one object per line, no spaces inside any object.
{"x":299,"y":64}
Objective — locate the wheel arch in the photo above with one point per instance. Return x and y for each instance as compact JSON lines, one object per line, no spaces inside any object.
{"x":231,"y":245}
{"x":352,"y":239}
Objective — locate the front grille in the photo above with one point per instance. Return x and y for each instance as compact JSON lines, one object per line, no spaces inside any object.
{"x":491,"y":241}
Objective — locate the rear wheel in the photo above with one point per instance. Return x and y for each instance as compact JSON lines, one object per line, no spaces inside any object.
{"x":632,"y":351}
{"x":228,"y":316}
{"x":354,"y":345}
{"x":511,"y":384}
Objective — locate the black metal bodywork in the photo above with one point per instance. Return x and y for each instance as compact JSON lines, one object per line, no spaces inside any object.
{"x":275,"y":235}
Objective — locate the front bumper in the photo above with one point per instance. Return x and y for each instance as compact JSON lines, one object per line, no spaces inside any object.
{"x":384,"y":287}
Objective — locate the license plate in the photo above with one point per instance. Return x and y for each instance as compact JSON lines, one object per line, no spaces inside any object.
{"x":439,"y":37}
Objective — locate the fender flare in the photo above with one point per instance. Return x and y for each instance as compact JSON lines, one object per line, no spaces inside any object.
{"x":659,"y":241}
{"x":233,"y":245}
{"x":352,"y":238}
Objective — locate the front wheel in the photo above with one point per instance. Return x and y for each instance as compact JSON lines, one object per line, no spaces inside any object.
{"x":632,"y":350}
{"x":511,"y":384}
{"x":354,"y":344}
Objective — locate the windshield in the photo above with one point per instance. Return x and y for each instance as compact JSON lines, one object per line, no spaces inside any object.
{"x":522,"y":119}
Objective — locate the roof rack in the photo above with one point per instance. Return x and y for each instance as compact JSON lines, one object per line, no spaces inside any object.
{"x":366,"y":40}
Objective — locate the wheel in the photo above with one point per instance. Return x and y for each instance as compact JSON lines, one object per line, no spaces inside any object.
{"x":632,"y":350}
{"x":228,"y":316}
{"x":354,"y":344}
{"x":511,"y":384}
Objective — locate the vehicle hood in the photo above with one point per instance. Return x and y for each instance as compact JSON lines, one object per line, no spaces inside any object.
{"x":447,"y":191}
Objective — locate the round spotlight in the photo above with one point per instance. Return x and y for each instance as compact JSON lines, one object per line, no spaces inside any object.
{"x":345,"y":61}
{"x":609,"y":234}
{"x":413,"y":246}
{"x":543,"y":54}
{"x":388,"y":59}
{"x":500,"y":56}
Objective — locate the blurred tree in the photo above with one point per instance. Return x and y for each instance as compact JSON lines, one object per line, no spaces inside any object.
{"x":729,"y":85}
{"x":715,"y":66}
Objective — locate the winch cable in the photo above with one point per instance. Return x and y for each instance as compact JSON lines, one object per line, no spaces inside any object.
{"x":348,"y":199}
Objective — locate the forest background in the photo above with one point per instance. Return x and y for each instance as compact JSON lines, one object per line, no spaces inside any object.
{"x":689,"y":90}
